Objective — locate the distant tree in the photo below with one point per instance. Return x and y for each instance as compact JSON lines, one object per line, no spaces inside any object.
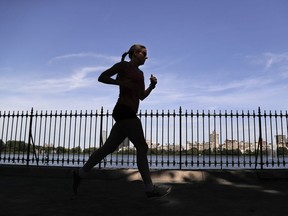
{"x":89,"y":150}
{"x":194,"y":151}
{"x":2,"y":145}
{"x":60,"y":150}
{"x":282,"y":151}
{"x":231,"y":152}
{"x":206,"y":151}
{"x":76,"y":150}
{"x":17,"y":146}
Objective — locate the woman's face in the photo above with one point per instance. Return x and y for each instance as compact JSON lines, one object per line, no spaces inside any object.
{"x":141,"y":56}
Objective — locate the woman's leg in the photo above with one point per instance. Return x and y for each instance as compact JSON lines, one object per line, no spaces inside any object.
{"x":134,"y":131}
{"x":115,"y":138}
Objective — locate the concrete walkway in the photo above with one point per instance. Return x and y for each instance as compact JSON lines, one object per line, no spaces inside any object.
{"x":47,"y":191}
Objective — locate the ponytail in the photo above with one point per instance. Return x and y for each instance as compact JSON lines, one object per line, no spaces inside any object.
{"x":123,"y":56}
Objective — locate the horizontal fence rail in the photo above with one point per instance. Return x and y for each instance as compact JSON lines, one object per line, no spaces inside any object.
{"x":177,"y":139}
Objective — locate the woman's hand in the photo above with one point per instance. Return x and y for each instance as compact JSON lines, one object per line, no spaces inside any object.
{"x":153,"y":81}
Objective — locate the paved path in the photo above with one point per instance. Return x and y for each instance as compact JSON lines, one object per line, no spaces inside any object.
{"x":31,"y":192}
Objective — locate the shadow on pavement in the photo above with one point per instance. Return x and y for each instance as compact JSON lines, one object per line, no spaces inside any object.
{"x":199,"y":193}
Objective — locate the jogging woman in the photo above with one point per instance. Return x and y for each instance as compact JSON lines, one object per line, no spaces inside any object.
{"x":130,"y":80}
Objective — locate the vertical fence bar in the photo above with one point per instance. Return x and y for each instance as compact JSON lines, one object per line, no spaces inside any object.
{"x":268,"y":144}
{"x":75,"y":137}
{"x":6,"y":135}
{"x":54,"y":134}
{"x":162,"y":138}
{"x":64,"y":137}
{"x":103,"y":140}
{"x":255,"y":134}
{"x":215,"y":140}
{"x":234,"y":142}
{"x":2,"y":144}
{"x":20,"y":135}
{"x":16,"y":147}
{"x":29,"y":137}
{"x":101,"y":128}
{"x":150,"y":132}
{"x":238,"y":138}
{"x":156,"y":137}
{"x":203,"y":138}
{"x":244,"y":139}
{"x":85,"y":133}
{"x":220,"y":140}
{"x":49,"y":138}
{"x":209,"y":140}
{"x":168,"y":138}
{"x":11,"y":144}
{"x":259,"y":142}
{"x":58,"y":148}
{"x":197,"y":138}
{"x":180,"y":137}
{"x":286,"y":141}
{"x":192,"y":139}
{"x":283,"y":141}
{"x":174,"y":138}
{"x":272,"y":140}
{"x":33,"y":141}
{"x":226,"y":138}
{"x":277,"y":141}
{"x":186,"y":138}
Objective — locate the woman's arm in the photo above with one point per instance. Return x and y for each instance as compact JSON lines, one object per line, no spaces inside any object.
{"x":106,"y":76}
{"x":146,"y":92}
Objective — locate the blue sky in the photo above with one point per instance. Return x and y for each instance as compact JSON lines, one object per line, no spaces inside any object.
{"x":206,"y":54}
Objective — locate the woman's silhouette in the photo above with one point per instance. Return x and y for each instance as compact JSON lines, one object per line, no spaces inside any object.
{"x":130,"y":80}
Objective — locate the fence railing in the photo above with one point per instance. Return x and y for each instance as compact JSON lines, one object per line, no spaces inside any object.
{"x":182,"y":139}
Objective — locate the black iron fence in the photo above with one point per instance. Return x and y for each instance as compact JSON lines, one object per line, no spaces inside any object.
{"x":182,"y":139}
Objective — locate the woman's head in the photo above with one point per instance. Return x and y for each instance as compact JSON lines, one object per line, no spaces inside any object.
{"x":134,"y":51}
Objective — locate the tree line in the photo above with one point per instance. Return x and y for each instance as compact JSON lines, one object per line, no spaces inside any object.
{"x":22,"y":147}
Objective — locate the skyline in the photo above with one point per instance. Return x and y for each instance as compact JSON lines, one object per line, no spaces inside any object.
{"x":207,"y":55}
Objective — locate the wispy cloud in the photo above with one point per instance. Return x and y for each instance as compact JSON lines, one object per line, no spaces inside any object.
{"x":80,"y":75}
{"x":248,"y":97}
{"x":244,"y":84}
{"x":79,"y":89}
{"x":84,"y":55}
{"x":78,"y":79}
{"x":268,"y":59}
{"x":273,"y":59}
{"x":74,"y":88}
{"x":241,"y":92}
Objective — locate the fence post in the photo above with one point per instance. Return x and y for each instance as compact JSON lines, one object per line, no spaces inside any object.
{"x":29,"y":137}
{"x":101,"y":133}
{"x":180,"y":137}
{"x":260,"y":141}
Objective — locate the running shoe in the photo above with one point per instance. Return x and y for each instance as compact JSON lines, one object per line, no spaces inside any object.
{"x":158,"y":192}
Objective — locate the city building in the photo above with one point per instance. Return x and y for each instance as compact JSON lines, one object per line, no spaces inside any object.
{"x":214,"y":140}
{"x":281,"y":141}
